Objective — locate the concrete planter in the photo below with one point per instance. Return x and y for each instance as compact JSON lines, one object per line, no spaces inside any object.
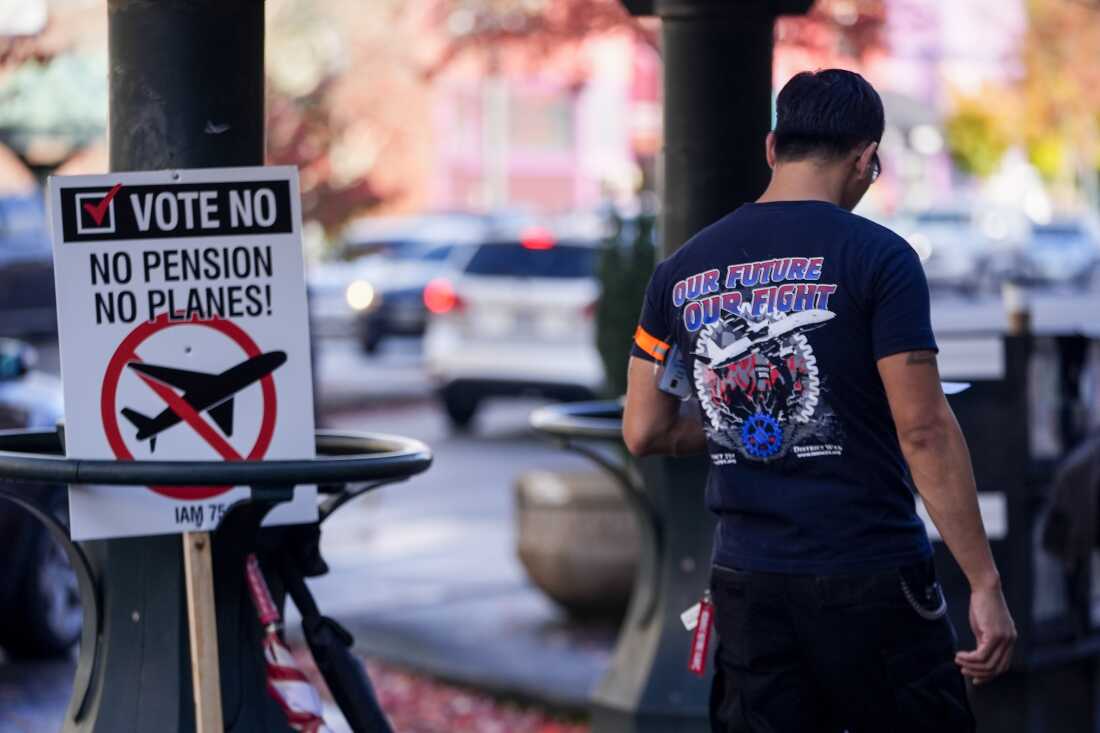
{"x":577,"y":539}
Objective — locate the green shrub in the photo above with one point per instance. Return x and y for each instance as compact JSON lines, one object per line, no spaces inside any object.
{"x":626,"y":263}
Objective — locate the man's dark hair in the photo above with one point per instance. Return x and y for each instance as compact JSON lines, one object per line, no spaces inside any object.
{"x":826,"y":114}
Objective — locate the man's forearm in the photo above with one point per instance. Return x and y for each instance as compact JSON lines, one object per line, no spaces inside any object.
{"x":684,"y":437}
{"x":940,"y":463}
{"x":653,"y":421}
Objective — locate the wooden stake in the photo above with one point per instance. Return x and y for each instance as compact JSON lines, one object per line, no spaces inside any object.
{"x":198,"y":573}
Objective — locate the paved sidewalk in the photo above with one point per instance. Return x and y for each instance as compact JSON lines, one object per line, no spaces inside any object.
{"x":425,"y":574}
{"x":508,"y":641}
{"x":349,"y":379}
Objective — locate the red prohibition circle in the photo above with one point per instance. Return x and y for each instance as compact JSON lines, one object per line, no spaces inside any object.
{"x":127,"y":352}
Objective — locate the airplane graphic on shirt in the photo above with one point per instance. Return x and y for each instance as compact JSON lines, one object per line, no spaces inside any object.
{"x":760,"y":333}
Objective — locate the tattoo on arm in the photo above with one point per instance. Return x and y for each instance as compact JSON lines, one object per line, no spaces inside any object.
{"x":916,"y":358}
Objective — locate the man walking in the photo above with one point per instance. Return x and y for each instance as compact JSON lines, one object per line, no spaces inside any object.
{"x":805,"y":333}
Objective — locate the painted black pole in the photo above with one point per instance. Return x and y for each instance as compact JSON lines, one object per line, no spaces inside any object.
{"x":186,"y":83}
{"x":717,"y":110}
{"x":186,"y":91}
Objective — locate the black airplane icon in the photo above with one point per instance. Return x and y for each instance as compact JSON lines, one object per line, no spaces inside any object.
{"x":204,"y":392}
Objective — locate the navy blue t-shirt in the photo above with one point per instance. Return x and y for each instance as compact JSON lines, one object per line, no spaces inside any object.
{"x":780,"y":311}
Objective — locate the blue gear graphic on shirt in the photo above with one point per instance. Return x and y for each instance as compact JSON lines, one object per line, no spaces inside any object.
{"x":761,"y":435}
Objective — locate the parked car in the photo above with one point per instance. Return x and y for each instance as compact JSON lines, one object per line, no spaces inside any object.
{"x":954,"y":250}
{"x":373,"y":289}
{"x":39,"y":599}
{"x":390,"y":295}
{"x":1061,"y":252}
{"x":516,"y":318}
{"x":330,"y":315}
{"x":27,"y":306}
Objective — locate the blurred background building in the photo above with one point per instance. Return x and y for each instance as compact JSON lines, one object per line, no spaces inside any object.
{"x":398,"y":107}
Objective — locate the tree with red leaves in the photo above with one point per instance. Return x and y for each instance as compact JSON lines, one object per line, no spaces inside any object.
{"x":541,"y":26}
{"x":836,"y":28}
{"x":347,"y":105}
{"x":302,"y":132}
{"x":831,"y":29}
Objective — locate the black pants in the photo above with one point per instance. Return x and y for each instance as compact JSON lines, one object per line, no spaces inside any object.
{"x":825,"y":654}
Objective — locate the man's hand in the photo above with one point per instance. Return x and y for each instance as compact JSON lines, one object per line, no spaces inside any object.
{"x":996,"y":634}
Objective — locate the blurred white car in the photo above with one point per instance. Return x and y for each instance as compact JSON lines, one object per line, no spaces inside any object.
{"x":373,"y":289}
{"x":516,"y":318}
{"x":954,"y":250}
{"x":1061,"y":252}
{"x":327,"y":285}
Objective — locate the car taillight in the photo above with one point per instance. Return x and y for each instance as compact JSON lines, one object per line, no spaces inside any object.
{"x":537,"y":238}
{"x":440,"y":297}
{"x":589,"y":310}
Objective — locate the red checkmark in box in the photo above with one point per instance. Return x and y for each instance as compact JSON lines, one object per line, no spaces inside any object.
{"x":98,"y":211}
